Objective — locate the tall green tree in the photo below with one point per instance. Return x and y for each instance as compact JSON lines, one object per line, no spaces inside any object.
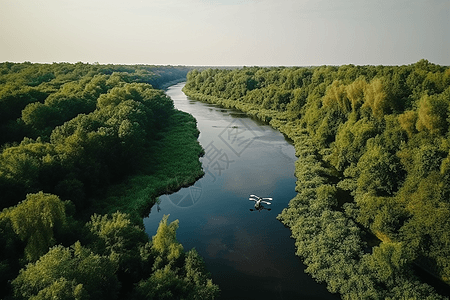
{"x":176,"y":275}
{"x":35,"y":220}
{"x":68,"y":273}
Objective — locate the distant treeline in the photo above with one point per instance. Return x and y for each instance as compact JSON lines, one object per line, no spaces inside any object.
{"x":80,"y":142}
{"x":373,"y":168}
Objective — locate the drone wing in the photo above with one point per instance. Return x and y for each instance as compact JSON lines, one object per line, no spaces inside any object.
{"x":268,"y":199}
{"x":254,"y":196}
{"x":252,"y":199}
{"x":266,"y":202}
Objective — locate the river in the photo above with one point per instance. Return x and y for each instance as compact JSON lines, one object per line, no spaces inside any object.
{"x":249,"y":253}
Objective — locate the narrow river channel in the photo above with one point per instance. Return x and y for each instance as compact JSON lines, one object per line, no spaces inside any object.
{"x":249,"y":253}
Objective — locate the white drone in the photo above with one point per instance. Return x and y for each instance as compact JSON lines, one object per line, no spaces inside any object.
{"x":258,"y":200}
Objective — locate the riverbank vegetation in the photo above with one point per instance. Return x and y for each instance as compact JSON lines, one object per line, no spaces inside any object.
{"x":85,"y":151}
{"x":373,"y":171}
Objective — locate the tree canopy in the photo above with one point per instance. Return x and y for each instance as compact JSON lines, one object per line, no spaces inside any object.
{"x":74,"y":139}
{"x":372,"y":170}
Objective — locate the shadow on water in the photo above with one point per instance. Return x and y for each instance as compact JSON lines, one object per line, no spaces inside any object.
{"x":259,"y":288}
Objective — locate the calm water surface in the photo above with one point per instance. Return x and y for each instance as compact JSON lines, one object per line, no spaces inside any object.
{"x":249,"y":253}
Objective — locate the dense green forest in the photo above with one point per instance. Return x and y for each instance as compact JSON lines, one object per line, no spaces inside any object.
{"x":85,"y":151}
{"x":373,"y":170}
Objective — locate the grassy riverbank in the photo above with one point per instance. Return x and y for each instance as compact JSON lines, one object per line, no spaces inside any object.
{"x":171,"y":162}
{"x":372,"y":161}
{"x":85,"y":152}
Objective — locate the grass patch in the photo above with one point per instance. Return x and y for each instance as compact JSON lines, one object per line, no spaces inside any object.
{"x":169,"y":163}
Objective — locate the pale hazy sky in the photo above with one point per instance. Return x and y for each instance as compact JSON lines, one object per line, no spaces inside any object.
{"x":226,"y":32}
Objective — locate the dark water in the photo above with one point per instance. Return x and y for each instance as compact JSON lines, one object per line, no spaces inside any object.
{"x":249,"y":253}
